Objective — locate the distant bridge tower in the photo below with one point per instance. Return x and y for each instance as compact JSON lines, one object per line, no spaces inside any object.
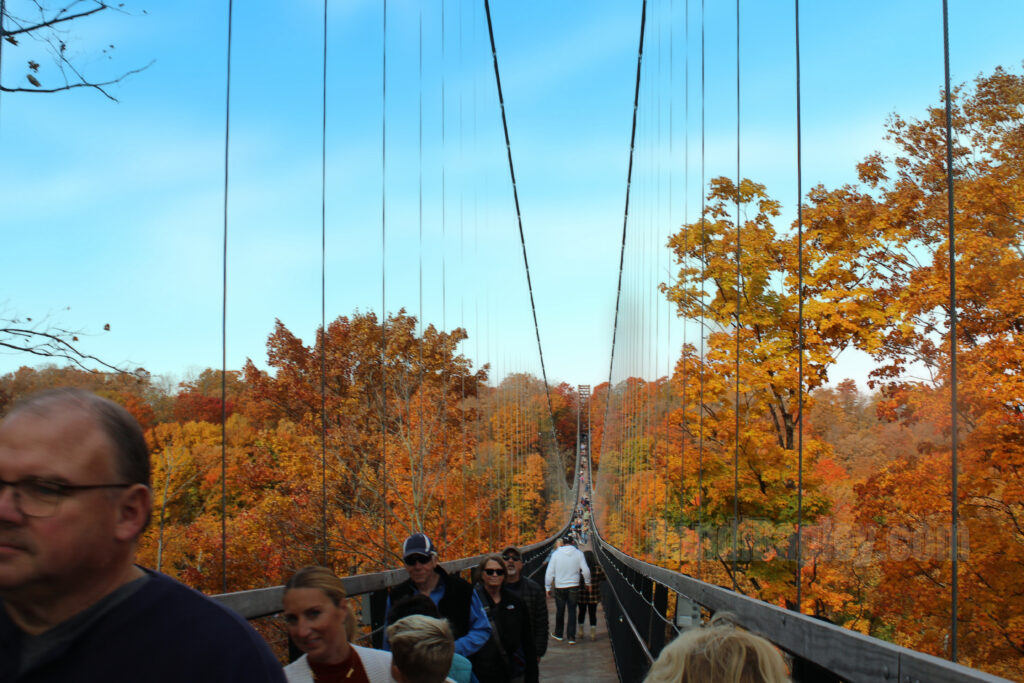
{"x":583,"y":430}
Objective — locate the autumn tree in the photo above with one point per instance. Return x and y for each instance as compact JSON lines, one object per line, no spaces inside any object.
{"x":702,"y":416}
{"x":397,"y":426}
{"x":892,"y":233}
{"x":528,"y":476}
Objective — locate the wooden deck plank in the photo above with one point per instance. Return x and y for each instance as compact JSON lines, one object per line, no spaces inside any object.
{"x":585,"y":662}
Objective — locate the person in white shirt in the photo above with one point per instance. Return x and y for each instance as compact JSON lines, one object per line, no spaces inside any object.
{"x":563,"y":577}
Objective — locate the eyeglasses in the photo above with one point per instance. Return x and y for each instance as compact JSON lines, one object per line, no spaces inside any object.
{"x":417,"y":559}
{"x":511,"y":558}
{"x":494,"y":572}
{"x":41,"y":498}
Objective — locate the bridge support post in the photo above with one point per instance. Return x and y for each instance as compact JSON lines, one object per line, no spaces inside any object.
{"x":658,"y":625}
{"x":646,"y":624}
{"x":378,"y":609}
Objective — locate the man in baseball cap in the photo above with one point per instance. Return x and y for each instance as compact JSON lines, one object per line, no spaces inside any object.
{"x":531,"y":593}
{"x":454,"y":597}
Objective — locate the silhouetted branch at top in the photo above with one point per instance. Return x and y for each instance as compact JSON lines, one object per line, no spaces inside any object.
{"x":23,"y":335}
{"x":46,"y":25}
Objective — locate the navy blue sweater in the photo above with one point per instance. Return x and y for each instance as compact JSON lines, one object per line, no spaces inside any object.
{"x":164,"y":632}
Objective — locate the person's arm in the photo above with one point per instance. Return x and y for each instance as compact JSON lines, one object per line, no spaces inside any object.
{"x":585,"y":569}
{"x":479,"y":629}
{"x":540,"y":621}
{"x":532,"y":673}
{"x":384,"y":645}
{"x":549,"y":575}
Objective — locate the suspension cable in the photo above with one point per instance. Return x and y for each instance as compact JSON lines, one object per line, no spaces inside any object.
{"x":625,"y":222}
{"x":519,"y":220}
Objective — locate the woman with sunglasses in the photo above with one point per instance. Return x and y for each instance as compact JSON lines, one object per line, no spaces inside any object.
{"x":509,"y":656}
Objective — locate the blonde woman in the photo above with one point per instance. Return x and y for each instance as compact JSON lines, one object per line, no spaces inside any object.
{"x":719,"y":653}
{"x":322,"y":625}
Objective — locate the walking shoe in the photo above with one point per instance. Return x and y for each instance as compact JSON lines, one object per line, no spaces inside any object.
{"x":556,"y":637}
{"x":593,"y":633}
{"x":572,"y":642}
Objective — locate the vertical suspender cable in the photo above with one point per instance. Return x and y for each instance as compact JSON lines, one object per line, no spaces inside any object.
{"x":954,"y":471}
{"x":383,"y":271}
{"x":444,"y":265}
{"x":519,"y":220}
{"x":700,"y":327}
{"x":323,"y":306}
{"x":686,"y":222}
{"x":739,"y":289}
{"x":418,"y":470}
{"x":800,"y":327}
{"x":686,"y":175}
{"x":651,"y":393}
{"x":444,"y":196}
{"x":224,"y":331}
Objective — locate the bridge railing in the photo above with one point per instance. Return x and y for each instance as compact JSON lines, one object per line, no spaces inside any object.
{"x":373,"y":588}
{"x":637,"y":607}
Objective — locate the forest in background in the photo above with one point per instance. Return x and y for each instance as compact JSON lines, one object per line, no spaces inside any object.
{"x":476,"y":466}
{"x":723,"y":434}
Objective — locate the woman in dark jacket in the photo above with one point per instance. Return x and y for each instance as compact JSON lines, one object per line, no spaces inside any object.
{"x":590,"y":595}
{"x":510,"y":655}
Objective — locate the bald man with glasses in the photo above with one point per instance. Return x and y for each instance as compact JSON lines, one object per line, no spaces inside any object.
{"x":74,"y":606}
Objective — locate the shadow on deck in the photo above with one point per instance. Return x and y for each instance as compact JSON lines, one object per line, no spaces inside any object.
{"x":585,"y":662}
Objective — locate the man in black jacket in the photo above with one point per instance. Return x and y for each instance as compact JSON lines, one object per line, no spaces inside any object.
{"x":531,"y":593}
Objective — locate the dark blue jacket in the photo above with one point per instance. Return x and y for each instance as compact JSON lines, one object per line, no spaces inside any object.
{"x":164,"y":632}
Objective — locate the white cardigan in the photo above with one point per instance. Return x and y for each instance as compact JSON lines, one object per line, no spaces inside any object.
{"x":376,"y":662}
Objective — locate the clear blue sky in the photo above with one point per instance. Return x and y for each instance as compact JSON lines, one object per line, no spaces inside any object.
{"x":114,"y":210}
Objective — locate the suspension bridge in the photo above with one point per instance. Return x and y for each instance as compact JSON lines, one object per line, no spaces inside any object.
{"x":706,"y":449}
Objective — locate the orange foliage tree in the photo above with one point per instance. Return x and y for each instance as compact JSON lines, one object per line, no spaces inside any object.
{"x":894,"y":226}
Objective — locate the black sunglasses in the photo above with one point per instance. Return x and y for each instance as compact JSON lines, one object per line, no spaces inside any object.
{"x":494,"y":572}
{"x":511,"y":558}
{"x":417,"y":559}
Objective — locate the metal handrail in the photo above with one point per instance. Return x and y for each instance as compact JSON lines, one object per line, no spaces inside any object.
{"x":848,"y":654}
{"x":264,"y":602}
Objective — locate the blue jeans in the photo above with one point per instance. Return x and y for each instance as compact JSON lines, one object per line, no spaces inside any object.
{"x":565,"y":597}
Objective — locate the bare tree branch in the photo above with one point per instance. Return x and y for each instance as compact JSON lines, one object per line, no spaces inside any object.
{"x":82,"y":84}
{"x":48,"y":28}
{"x":56,"y":20}
{"x":49,"y":341}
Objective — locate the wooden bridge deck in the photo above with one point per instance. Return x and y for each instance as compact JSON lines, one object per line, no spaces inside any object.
{"x":585,"y":662}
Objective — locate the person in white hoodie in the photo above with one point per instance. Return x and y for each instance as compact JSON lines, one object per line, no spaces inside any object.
{"x":563,"y":577}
